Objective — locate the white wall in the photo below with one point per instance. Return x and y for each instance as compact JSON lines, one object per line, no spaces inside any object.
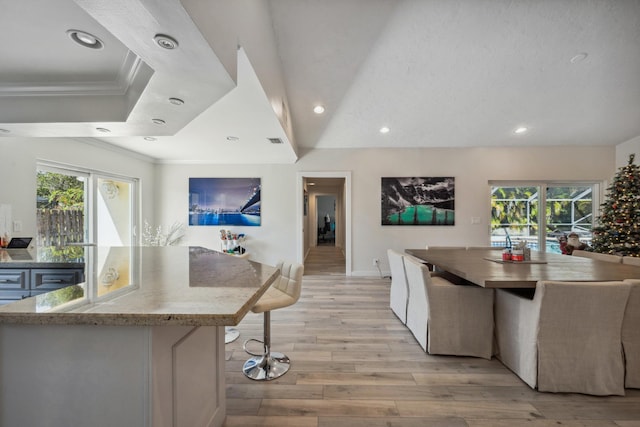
{"x":270,"y":242}
{"x":471,"y":167}
{"x":19,"y":156}
{"x":164,"y":189}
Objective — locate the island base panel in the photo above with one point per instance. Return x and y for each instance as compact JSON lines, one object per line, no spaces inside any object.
{"x":152,"y":376}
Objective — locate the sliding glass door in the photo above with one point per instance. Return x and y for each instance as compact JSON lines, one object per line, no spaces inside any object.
{"x":83,"y":207}
{"x":115,"y":208}
{"x":516,"y":213}
{"x":61,"y":206}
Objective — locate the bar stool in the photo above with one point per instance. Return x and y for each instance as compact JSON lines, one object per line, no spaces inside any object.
{"x":284,"y":291}
{"x":230,"y":334}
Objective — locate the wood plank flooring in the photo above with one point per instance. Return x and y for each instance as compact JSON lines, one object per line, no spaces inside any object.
{"x":354,"y":364}
{"x":324,"y":260}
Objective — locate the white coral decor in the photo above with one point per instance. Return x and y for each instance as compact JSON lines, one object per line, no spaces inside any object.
{"x":155,"y":237}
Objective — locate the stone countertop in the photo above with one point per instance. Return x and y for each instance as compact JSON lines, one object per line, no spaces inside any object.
{"x":47,"y":257}
{"x":146,"y":286}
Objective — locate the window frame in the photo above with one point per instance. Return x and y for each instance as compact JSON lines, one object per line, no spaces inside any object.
{"x":91,"y":197}
{"x":542,"y":185}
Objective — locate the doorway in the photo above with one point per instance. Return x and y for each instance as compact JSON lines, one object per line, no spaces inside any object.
{"x":326,"y":220}
{"x":319,"y":194}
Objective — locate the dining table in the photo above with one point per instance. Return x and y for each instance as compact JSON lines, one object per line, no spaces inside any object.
{"x":485,"y":267}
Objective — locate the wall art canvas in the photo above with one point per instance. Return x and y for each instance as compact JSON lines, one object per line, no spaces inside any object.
{"x":224,"y":201}
{"x":418,"y":201}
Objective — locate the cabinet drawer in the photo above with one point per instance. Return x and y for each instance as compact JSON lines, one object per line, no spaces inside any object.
{"x":48,"y":279}
{"x":14,"y":279}
{"x":10,"y":296}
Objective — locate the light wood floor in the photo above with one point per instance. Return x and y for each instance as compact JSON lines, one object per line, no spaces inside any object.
{"x":324,"y":260}
{"x":354,"y":364}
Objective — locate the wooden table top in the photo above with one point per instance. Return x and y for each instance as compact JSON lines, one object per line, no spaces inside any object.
{"x":477,"y":266}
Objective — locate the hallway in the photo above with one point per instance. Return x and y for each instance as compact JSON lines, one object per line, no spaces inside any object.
{"x":324,"y":260}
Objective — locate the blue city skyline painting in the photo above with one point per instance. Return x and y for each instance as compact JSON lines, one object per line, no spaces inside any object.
{"x":224,"y":201}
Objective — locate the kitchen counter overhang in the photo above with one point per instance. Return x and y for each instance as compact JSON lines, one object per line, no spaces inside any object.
{"x":151,"y":286}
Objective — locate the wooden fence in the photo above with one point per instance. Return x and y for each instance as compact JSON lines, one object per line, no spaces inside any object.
{"x":57,"y":227}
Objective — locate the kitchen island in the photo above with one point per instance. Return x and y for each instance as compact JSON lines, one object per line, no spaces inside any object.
{"x":139,"y":343}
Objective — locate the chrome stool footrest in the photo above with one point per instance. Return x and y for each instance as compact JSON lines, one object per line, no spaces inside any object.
{"x":267,"y":367}
{"x":244,"y":347}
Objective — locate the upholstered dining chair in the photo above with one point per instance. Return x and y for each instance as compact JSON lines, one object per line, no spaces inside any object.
{"x":597,"y":256}
{"x":631,"y":336}
{"x":631,"y":260}
{"x":427,"y":247}
{"x":567,"y":338}
{"x":283,"y":292}
{"x":446,"y":318}
{"x":399,"y":290}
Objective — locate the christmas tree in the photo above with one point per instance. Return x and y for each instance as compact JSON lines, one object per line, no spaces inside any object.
{"x":618,"y":230}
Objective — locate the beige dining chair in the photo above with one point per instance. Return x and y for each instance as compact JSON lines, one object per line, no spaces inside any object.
{"x":427,"y":247}
{"x":631,"y":336}
{"x":283,"y":292}
{"x":567,"y":338}
{"x":597,"y":256}
{"x":435,"y":267}
{"x":446,"y":318}
{"x":399,"y":290}
{"x":631,"y":260}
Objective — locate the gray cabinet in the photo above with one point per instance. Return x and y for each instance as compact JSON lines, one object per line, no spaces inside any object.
{"x":18,"y":283}
{"x":47,"y":279}
{"x":14,"y":284}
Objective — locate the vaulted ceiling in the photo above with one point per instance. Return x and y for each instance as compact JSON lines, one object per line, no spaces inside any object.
{"x":244,"y":74}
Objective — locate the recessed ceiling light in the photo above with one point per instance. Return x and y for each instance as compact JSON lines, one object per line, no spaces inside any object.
{"x":311,"y":183}
{"x":103,"y":130}
{"x":158,"y":121}
{"x":4,"y":130}
{"x":233,"y":138}
{"x":318,"y":109}
{"x":165,"y":41}
{"x":176,"y":101}
{"x":85,"y":39}
{"x":384,"y":129}
{"x":150,"y":138}
{"x":521,"y":129}
{"x":579,"y":57}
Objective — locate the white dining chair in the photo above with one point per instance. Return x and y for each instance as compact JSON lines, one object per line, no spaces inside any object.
{"x":631,"y":260}
{"x":446,"y":318}
{"x":597,"y":256}
{"x":567,"y":338}
{"x":399,"y":290}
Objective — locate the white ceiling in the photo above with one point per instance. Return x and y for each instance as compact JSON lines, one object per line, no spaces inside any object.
{"x":439,"y":73}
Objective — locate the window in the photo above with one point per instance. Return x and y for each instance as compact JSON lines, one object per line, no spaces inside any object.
{"x":516,"y":216}
{"x":85,"y":207}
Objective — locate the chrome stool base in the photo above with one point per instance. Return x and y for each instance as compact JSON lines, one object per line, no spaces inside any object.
{"x":267,"y":367}
{"x":230,"y":334}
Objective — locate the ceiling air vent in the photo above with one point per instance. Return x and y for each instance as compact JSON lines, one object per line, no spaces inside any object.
{"x":275,"y":140}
